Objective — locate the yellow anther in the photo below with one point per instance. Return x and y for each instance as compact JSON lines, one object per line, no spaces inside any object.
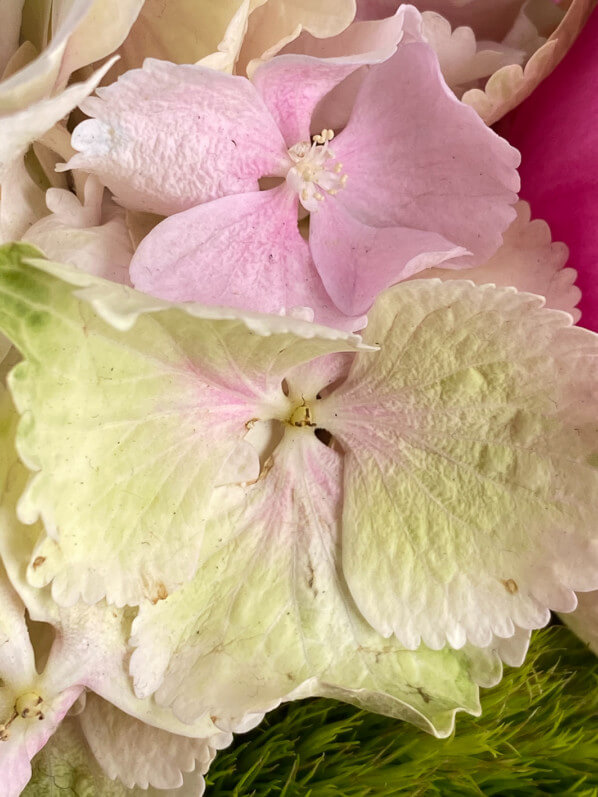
{"x":319,"y":196}
{"x":324,"y":136}
{"x":338,"y":168}
{"x":301,"y":416}
{"x":344,"y":180}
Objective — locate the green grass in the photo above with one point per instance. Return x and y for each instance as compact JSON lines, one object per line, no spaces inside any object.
{"x":538,"y":734}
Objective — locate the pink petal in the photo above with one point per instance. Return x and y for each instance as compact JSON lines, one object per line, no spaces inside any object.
{"x":417,"y":157}
{"x":239,"y":251}
{"x":167,"y":137}
{"x":359,"y":38}
{"x":556,"y":131}
{"x":356,"y":262}
{"x":292,"y":86}
{"x":528,"y":260}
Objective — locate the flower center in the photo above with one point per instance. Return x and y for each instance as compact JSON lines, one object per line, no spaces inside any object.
{"x":301,"y":416}
{"x":314,"y":173}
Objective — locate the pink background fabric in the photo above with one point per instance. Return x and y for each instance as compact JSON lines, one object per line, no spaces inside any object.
{"x":556,"y":130}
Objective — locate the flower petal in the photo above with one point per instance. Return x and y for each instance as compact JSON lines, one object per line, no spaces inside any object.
{"x":138,"y":754}
{"x":19,"y":129}
{"x":90,"y":646}
{"x":274,"y":23}
{"x":76,"y":234}
{"x":239,"y":251}
{"x":68,"y":763}
{"x":225,"y":56}
{"x":470,"y":476}
{"x":356,"y":262}
{"x":182,"y":31}
{"x":152,"y":414}
{"x":100,"y":32}
{"x":167,"y":137}
{"x":429,"y":165}
{"x":292,"y":85}
{"x":22,"y":202}
{"x":38,"y":78}
{"x":529,"y":261}
{"x":359,"y":38}
{"x":463,"y":60}
{"x":268,"y":616}
{"x":508,"y":87}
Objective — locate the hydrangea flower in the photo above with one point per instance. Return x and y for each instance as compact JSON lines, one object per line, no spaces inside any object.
{"x":433,"y":485}
{"x":406,"y":185}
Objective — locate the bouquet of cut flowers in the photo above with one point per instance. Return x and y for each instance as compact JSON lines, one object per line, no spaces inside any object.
{"x":297,"y":400}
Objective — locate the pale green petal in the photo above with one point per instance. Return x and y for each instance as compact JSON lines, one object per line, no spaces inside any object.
{"x":91,"y":647}
{"x":66,"y":766}
{"x":471,"y":447}
{"x":103,"y":28}
{"x":274,"y":23}
{"x":127,"y":430}
{"x":268,"y":616}
{"x":137,"y":754}
{"x":225,"y":57}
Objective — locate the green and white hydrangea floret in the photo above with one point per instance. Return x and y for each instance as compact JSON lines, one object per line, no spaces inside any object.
{"x":423,"y":500}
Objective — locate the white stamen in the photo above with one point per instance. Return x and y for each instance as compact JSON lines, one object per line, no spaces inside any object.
{"x":312,"y":174}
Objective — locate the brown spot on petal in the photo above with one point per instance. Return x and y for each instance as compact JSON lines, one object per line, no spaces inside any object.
{"x":510,"y":586}
{"x":38,"y":562}
{"x":423,"y":694}
{"x":161,"y":594}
